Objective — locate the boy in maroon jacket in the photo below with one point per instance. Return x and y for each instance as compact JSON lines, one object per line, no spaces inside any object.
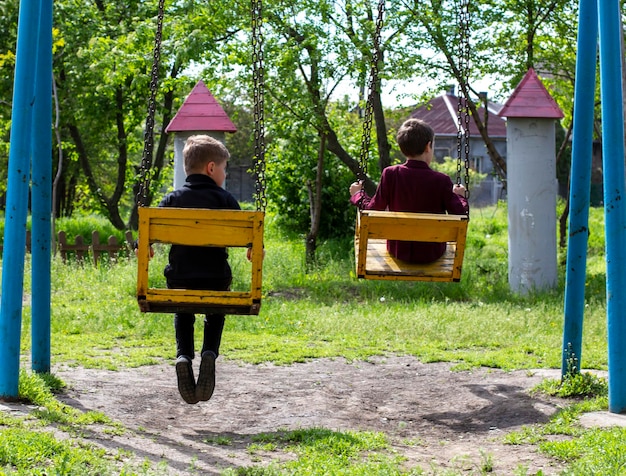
{"x":414,"y":187}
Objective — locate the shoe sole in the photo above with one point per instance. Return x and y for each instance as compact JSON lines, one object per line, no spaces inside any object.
{"x":206,"y":378}
{"x":186,"y":383}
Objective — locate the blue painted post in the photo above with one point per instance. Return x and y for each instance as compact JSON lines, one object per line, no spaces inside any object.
{"x":580,"y":181}
{"x":17,"y":199}
{"x":614,"y":198}
{"x":41,"y":194}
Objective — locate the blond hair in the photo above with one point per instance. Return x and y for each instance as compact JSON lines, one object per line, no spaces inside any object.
{"x":199,"y":150}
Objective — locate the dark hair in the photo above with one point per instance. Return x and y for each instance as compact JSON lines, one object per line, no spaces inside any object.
{"x":200,"y":150}
{"x":413,"y":137}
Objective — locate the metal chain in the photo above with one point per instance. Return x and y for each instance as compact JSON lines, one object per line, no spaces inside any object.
{"x":148,"y":147}
{"x":463,"y":114}
{"x":369,"y":105}
{"x":259,"y":119}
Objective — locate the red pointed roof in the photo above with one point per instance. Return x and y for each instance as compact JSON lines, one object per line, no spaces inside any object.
{"x":441,"y":113}
{"x":531,"y":99}
{"x":201,"y":112}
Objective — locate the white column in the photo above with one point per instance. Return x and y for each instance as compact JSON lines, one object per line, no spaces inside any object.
{"x":532,"y":191}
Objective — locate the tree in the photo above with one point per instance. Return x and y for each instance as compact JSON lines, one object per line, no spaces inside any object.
{"x":311,"y":48}
{"x":8,"y":40}
{"x":102,"y":63}
{"x":102,"y":75}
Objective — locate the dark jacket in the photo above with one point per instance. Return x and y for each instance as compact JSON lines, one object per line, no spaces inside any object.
{"x":413,"y":187}
{"x":198,"y":262}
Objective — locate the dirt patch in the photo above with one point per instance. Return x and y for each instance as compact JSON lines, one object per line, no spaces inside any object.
{"x":438,"y":419}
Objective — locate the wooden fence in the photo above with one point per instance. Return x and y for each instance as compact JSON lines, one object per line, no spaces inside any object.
{"x":95,"y":250}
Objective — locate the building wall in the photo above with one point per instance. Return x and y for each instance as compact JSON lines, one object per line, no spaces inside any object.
{"x":240,"y":182}
{"x":490,"y":190}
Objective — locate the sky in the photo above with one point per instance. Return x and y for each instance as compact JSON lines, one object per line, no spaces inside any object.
{"x":405,"y":93}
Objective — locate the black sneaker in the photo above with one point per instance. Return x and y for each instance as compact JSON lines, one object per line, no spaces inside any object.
{"x":186,"y":381}
{"x":206,"y":377}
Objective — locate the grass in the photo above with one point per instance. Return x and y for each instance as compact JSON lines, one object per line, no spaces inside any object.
{"x":326,"y":312}
{"x":326,"y":452}
{"x":30,"y":443}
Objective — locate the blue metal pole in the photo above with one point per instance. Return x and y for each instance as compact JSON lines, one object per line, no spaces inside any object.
{"x":41,"y":194}
{"x":580,"y":184}
{"x":17,"y":200}
{"x":614,"y":207}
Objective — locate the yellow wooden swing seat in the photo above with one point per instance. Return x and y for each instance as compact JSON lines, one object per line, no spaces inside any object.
{"x":374,"y":228}
{"x":200,"y":227}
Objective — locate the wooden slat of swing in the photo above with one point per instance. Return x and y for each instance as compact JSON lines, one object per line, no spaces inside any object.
{"x":199,"y":227}
{"x":374,"y":228}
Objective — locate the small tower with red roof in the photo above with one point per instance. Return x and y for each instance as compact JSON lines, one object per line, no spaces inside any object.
{"x":199,"y":114}
{"x":531,"y":185}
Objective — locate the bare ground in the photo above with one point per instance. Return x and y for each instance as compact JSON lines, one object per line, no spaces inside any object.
{"x":440,"y":420}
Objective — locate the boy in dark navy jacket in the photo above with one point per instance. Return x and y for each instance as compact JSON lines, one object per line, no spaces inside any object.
{"x":414,"y":187}
{"x":194,"y":267}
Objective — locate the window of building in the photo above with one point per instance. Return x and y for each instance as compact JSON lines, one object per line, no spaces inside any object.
{"x":476,"y":164}
{"x":441,"y":153}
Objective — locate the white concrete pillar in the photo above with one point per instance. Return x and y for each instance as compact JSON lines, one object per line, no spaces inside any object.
{"x":532,"y":191}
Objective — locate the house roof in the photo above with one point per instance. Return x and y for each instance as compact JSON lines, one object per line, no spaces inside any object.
{"x":531,"y":99}
{"x":441,"y":113}
{"x":201,"y":112}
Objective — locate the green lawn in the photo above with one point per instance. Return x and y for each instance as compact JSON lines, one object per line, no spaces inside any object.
{"x":326,"y":312}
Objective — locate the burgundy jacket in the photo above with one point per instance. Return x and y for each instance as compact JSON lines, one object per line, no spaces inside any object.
{"x":413,"y":187}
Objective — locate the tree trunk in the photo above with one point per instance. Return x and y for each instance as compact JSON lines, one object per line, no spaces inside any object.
{"x":336,"y":148}
{"x":111,"y":210}
{"x":315,"y":205}
{"x":383,"y":146}
{"x":497,"y":160}
{"x":159,"y":157}
{"x":564,"y":216}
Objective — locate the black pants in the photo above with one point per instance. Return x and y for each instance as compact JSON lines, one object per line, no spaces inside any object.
{"x":184,"y":322}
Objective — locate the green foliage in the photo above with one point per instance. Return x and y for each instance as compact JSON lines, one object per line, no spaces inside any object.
{"x":584,"y":384}
{"x":320,"y":452}
{"x":597,"y":451}
{"x":38,"y":388}
{"x":291,"y":175}
{"x":325,"y":312}
{"x":84,"y":226}
{"x":449,"y":166}
{"x":39,"y":453}
{"x":589,"y":451}
{"x":596,"y":242}
{"x":102,"y":65}
{"x":27,"y":450}
{"x":81,"y":225}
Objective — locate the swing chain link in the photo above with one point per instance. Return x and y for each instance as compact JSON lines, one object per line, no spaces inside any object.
{"x":371,"y":86}
{"x":463,"y":114}
{"x":148,"y":147}
{"x":259,"y":119}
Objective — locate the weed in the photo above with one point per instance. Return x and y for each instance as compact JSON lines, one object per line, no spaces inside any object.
{"x":584,"y":385}
{"x":486,"y":462}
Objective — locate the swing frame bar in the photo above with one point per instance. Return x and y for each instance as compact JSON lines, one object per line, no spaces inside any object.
{"x":200,"y":227}
{"x":374,"y":228}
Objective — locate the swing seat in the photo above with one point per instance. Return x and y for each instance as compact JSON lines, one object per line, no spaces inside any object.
{"x":199,"y":227}
{"x":374,"y":228}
